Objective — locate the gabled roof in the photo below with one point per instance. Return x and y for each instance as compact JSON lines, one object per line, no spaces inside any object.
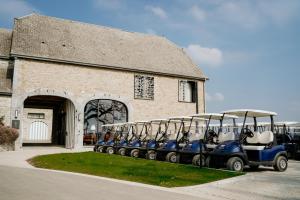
{"x":5,"y":42}
{"x":49,"y":38}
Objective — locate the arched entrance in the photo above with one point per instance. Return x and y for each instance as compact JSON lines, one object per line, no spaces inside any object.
{"x":101,"y":111}
{"x":48,"y":120}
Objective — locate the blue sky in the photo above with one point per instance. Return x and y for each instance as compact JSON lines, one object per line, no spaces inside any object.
{"x":250,"y":49}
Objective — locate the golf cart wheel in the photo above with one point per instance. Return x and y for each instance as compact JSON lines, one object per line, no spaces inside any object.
{"x":172,"y":157}
{"x":134,"y":153}
{"x":235,"y":164}
{"x":100,"y":149}
{"x":110,"y":150}
{"x":121,"y":152}
{"x":151,"y":155}
{"x":281,"y":164}
{"x":196,"y":160}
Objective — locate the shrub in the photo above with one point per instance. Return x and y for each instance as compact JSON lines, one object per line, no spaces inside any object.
{"x":7,"y":135}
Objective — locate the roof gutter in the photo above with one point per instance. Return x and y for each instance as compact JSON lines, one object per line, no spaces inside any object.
{"x":107,"y":67}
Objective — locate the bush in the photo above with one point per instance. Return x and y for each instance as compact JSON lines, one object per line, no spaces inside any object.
{"x":7,"y":135}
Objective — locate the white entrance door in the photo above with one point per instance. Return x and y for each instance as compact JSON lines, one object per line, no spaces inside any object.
{"x":37,"y":125}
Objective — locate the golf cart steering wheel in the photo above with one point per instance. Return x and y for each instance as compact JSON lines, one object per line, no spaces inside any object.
{"x":246,"y":132}
{"x":211,"y":134}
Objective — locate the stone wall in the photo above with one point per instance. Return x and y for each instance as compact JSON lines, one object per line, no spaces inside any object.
{"x":5,"y":103}
{"x":81,"y":84}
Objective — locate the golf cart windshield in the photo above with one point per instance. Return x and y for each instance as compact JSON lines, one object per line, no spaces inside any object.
{"x":216,"y":124}
{"x":158,"y":129}
{"x":175,"y":128}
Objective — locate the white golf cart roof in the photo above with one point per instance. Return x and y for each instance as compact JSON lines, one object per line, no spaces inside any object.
{"x":214,"y":116}
{"x":250,"y":113}
{"x":142,"y":122}
{"x":287,"y":123}
{"x":130,"y":123}
{"x":158,"y":120}
{"x":185,"y":118}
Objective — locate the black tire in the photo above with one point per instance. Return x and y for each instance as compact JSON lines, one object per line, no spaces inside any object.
{"x":196,"y":160}
{"x":151,"y":155}
{"x":235,"y":164}
{"x":122,"y":151}
{"x":110,"y":150}
{"x":100,"y":149}
{"x":280,"y":164}
{"x":172,"y":157}
{"x":134,"y":153}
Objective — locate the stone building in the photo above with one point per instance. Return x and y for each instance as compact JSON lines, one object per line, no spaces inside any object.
{"x":60,"y":79}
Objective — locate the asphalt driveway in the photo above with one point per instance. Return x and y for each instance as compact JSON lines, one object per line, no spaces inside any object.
{"x":19,"y":180}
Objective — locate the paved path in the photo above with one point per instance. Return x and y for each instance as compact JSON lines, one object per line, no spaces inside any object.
{"x":19,"y":180}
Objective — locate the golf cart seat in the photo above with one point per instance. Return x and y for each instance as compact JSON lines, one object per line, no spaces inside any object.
{"x":226,"y":136}
{"x":254,"y":139}
{"x":266,"y":137}
{"x":260,"y":140}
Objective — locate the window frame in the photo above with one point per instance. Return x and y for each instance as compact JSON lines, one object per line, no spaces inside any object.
{"x":194,"y":91}
{"x":134,"y":85}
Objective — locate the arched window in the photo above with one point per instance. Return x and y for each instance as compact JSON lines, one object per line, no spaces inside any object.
{"x":103,"y":111}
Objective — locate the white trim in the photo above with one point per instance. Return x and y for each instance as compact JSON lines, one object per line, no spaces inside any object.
{"x":252,"y":147}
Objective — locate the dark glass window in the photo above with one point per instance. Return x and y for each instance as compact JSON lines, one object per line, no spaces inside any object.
{"x":103,"y":111}
{"x":187,"y":91}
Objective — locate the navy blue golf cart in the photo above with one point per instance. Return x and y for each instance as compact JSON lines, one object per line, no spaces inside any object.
{"x":128,"y":132}
{"x":175,"y":139}
{"x":286,"y":134}
{"x":156,"y":136}
{"x":253,"y":148}
{"x":104,"y":137}
{"x":204,"y":138}
{"x":133,"y":146}
{"x":116,"y":139}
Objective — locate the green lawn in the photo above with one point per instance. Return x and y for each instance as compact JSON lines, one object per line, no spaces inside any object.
{"x":131,"y":169}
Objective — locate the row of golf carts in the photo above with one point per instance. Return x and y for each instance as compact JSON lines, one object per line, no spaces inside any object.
{"x":207,"y":139}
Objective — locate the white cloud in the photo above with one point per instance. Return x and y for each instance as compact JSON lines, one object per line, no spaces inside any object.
{"x":211,"y":57}
{"x":108,"y":4}
{"x":214,"y":97}
{"x":198,"y":13}
{"x":158,"y":11}
{"x":10,"y":9}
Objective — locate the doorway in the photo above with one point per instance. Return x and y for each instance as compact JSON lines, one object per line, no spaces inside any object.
{"x":48,"y":120}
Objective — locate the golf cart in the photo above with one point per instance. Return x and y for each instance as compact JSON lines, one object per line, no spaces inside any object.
{"x":253,"y":148}
{"x":115,"y":138}
{"x":132,"y":149}
{"x":110,"y":138}
{"x":286,"y":135}
{"x":201,"y":142}
{"x":128,"y":131}
{"x":175,"y":139}
{"x":107,"y":130}
{"x":156,"y":135}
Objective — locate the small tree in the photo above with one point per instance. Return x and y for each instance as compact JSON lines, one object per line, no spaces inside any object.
{"x":7,"y":135}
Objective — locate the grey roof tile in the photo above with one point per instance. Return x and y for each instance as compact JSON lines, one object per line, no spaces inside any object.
{"x":59,"y":39}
